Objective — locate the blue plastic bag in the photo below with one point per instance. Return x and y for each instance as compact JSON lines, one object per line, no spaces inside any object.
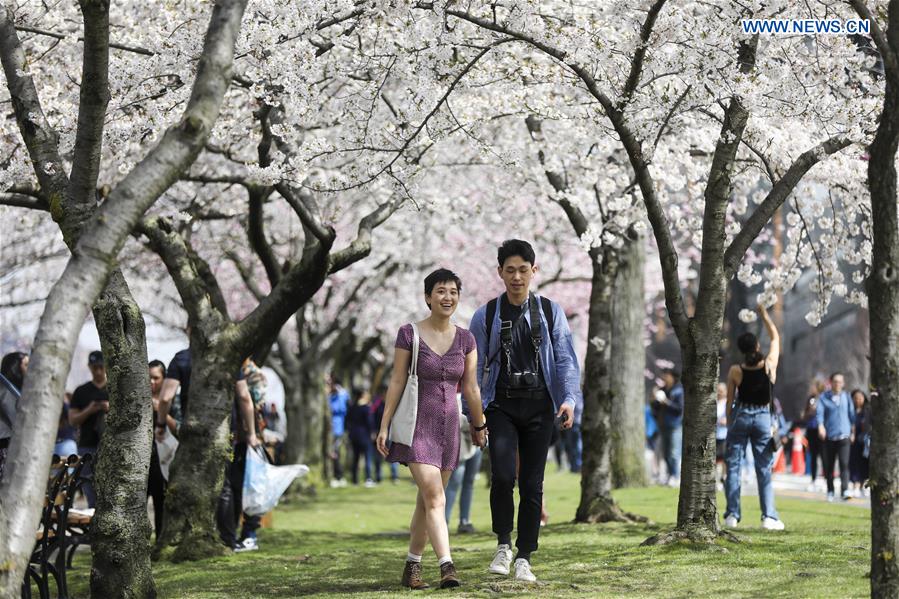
{"x":263,"y":483}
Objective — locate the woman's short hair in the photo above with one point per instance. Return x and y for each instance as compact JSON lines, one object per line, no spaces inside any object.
{"x":441,"y":275}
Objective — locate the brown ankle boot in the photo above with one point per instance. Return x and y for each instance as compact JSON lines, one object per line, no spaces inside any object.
{"x":412,"y":576}
{"x":448,"y":576}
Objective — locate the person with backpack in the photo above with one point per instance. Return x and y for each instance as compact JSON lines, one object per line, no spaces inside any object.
{"x":750,"y":420}
{"x":529,"y":376}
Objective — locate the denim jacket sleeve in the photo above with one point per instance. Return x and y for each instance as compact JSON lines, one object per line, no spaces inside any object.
{"x":568,"y":373}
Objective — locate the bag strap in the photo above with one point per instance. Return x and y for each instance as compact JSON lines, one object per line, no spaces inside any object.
{"x":536,"y":333}
{"x":413,"y":370}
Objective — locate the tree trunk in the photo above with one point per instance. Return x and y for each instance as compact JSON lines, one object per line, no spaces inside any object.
{"x":628,"y":361}
{"x":596,"y":503}
{"x":304,"y":405}
{"x":197,"y":471}
{"x":120,"y":530}
{"x":883,"y":302}
{"x":697,"y":510}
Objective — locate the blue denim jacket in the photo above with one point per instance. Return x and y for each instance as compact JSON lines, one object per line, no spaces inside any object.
{"x":837,"y":414}
{"x":557,"y":359}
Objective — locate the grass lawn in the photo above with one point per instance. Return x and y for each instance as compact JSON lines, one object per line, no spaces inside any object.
{"x":352,"y":541}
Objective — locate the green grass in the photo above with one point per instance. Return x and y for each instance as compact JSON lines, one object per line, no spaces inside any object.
{"x":352,"y":541}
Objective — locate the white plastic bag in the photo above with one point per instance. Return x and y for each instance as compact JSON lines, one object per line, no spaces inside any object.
{"x":263,"y":483}
{"x":166,"y":449}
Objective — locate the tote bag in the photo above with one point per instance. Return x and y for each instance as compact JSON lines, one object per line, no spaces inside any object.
{"x":402,"y":427}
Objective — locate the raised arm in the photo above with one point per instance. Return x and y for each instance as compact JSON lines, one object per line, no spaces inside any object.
{"x":773,"y":356}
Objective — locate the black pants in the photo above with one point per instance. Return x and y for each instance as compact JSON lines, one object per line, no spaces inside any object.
{"x":815,"y":445}
{"x":362,"y":450}
{"x":521,"y":426}
{"x":230,"y":503}
{"x":156,"y":489}
{"x":834,"y":450}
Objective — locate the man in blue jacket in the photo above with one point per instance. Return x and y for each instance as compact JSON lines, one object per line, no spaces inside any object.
{"x":338,"y":401}
{"x":836,"y":428}
{"x":529,"y":376}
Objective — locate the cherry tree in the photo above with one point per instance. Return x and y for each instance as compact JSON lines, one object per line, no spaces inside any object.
{"x":697,"y":84}
{"x":94,"y":249}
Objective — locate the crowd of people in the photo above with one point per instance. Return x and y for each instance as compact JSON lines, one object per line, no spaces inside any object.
{"x":83,"y":421}
{"x":510,"y":384}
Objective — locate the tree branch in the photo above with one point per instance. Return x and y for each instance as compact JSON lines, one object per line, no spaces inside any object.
{"x":256,"y":235}
{"x":574,"y":214}
{"x":40,"y":138}
{"x":882,"y":38}
{"x":20,"y":200}
{"x":81,"y":196}
{"x":633,"y":78}
{"x":775,"y":199}
{"x":189,"y":272}
{"x":361,"y":246}
{"x":302,"y":203}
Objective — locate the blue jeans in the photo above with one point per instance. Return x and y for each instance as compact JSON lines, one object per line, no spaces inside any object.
{"x":750,"y":424}
{"x":573,"y":447}
{"x":672,"y":441}
{"x":463,"y":477}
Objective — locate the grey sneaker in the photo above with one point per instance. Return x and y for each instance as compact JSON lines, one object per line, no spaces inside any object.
{"x":502,"y":561}
{"x":465,"y":528}
{"x":523,"y":571}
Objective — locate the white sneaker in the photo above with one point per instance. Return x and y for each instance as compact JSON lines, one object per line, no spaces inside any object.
{"x":830,"y":497}
{"x":523,"y":571}
{"x":369,"y":484}
{"x":812,"y":488}
{"x":334,"y":483}
{"x":731,"y":522}
{"x":772,"y":524}
{"x":502,"y":561}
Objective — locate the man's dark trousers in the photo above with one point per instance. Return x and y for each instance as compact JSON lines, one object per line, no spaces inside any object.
{"x":518,"y":423}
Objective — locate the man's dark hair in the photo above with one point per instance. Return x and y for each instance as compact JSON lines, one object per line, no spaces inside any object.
{"x":673,"y":372}
{"x":748,"y":344}
{"x":157,"y":364}
{"x":441,"y":275}
{"x":515,"y":247}
{"x":11,"y":368}
{"x":837,"y":373}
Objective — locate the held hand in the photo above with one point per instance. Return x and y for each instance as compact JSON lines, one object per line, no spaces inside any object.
{"x":381,"y":442}
{"x":479,"y":438}
{"x":822,"y":434}
{"x":568,"y":418}
{"x":102,"y":406}
{"x":160,"y":432}
{"x":253,"y":440}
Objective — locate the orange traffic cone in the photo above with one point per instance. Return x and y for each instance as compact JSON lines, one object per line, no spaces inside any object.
{"x":798,"y":455}
{"x":780,"y":462}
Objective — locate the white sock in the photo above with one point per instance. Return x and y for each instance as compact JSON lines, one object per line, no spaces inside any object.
{"x":446,"y":559}
{"x":411,"y":557}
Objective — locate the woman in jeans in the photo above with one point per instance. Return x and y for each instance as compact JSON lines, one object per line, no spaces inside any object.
{"x":749,"y":421}
{"x":447,"y":355}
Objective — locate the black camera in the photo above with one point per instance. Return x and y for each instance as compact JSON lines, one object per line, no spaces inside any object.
{"x":523,"y":380}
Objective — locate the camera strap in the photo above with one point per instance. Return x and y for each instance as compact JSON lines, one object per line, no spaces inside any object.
{"x":536,"y":330}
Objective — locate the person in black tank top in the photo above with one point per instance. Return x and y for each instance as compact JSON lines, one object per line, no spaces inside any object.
{"x":755,"y":387}
{"x":749,"y":396}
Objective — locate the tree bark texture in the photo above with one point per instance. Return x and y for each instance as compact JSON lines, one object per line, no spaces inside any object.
{"x":596,"y":503}
{"x":628,"y":361}
{"x":883,"y":302}
{"x":85,"y":276}
{"x":120,"y":530}
{"x":197,"y":472}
